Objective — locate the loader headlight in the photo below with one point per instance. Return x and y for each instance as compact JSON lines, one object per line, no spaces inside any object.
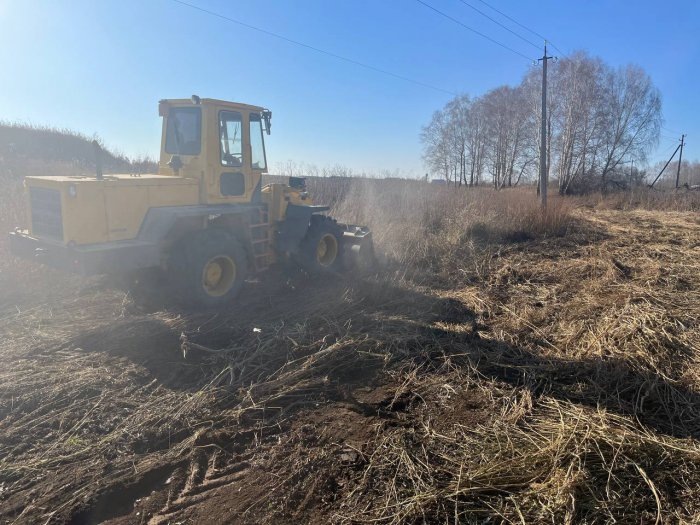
{"x":72,"y":191}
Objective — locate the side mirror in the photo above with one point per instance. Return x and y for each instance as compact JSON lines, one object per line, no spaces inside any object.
{"x":267,"y":118}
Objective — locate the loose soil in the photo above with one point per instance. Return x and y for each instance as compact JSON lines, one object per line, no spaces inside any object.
{"x":559,"y":385}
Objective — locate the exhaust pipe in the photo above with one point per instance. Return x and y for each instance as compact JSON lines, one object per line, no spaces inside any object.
{"x":98,"y":160}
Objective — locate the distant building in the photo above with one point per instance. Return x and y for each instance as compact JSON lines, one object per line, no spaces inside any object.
{"x":438,"y":181}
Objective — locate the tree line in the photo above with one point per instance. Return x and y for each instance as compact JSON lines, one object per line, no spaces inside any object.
{"x":688,"y":175}
{"x":599,"y":119}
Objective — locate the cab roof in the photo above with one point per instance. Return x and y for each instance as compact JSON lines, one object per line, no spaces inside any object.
{"x":203,"y":101}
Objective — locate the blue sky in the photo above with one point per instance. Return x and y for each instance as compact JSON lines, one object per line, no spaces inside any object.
{"x":101,"y":66}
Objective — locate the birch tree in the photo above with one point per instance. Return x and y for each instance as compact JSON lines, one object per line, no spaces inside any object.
{"x":597,"y":119}
{"x":632,"y":106}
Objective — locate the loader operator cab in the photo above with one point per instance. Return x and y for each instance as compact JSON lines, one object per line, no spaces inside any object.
{"x":219,"y":143}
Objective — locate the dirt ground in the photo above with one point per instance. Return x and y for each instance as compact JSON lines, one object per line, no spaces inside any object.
{"x":554,"y":380}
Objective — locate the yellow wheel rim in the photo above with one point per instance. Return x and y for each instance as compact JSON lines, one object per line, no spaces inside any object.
{"x":218,"y":275}
{"x":327,"y":250}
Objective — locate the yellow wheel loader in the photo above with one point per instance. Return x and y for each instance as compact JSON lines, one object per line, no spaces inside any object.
{"x":205,"y":218}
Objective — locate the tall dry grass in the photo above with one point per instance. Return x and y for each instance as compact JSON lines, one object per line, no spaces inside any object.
{"x":661,"y":199}
{"x":439,"y":229}
{"x":13,"y":213}
{"x":24,"y":144}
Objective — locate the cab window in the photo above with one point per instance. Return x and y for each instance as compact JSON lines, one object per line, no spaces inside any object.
{"x":230,"y":130}
{"x":183,"y":135}
{"x":257,"y":145}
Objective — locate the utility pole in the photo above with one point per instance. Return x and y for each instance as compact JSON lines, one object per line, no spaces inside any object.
{"x":680,"y":159}
{"x":631,"y":181}
{"x":631,"y":173}
{"x":543,"y":131}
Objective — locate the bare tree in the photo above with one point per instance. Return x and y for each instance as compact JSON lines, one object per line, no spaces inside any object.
{"x":476,"y":141}
{"x":598,"y":118}
{"x":507,"y":133}
{"x":436,"y":151}
{"x":458,"y":117}
{"x":578,"y":118}
{"x":689,"y":176}
{"x":632,"y":109}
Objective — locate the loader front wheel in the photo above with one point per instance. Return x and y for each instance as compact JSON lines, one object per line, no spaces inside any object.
{"x":219,"y":275}
{"x":210,"y":269}
{"x":327,"y":250}
{"x":320,"y":250}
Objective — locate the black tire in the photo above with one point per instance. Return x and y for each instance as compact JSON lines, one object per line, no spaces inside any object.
{"x":312,"y":256}
{"x":209,"y":269}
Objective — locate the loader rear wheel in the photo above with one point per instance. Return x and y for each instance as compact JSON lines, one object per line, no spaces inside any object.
{"x":210,"y":269}
{"x":320,"y":250}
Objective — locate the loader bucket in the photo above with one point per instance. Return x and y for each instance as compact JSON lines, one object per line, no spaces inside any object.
{"x":358,"y":252}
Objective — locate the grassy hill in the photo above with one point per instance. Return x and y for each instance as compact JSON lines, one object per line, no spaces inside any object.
{"x":54,"y":151}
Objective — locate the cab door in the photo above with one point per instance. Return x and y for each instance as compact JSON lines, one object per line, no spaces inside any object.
{"x":232,"y":181}
{"x":258,"y":157}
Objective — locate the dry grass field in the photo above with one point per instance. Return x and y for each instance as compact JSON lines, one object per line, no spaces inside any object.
{"x":500,"y":366}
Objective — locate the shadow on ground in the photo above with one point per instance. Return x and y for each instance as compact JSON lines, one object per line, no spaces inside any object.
{"x":403,"y":324}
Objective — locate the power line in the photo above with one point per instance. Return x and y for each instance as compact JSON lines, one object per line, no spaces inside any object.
{"x":523,"y":26}
{"x":472,"y":30}
{"x":667,"y":149}
{"x":313,"y":48}
{"x":668,"y":137}
{"x":503,"y":26}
